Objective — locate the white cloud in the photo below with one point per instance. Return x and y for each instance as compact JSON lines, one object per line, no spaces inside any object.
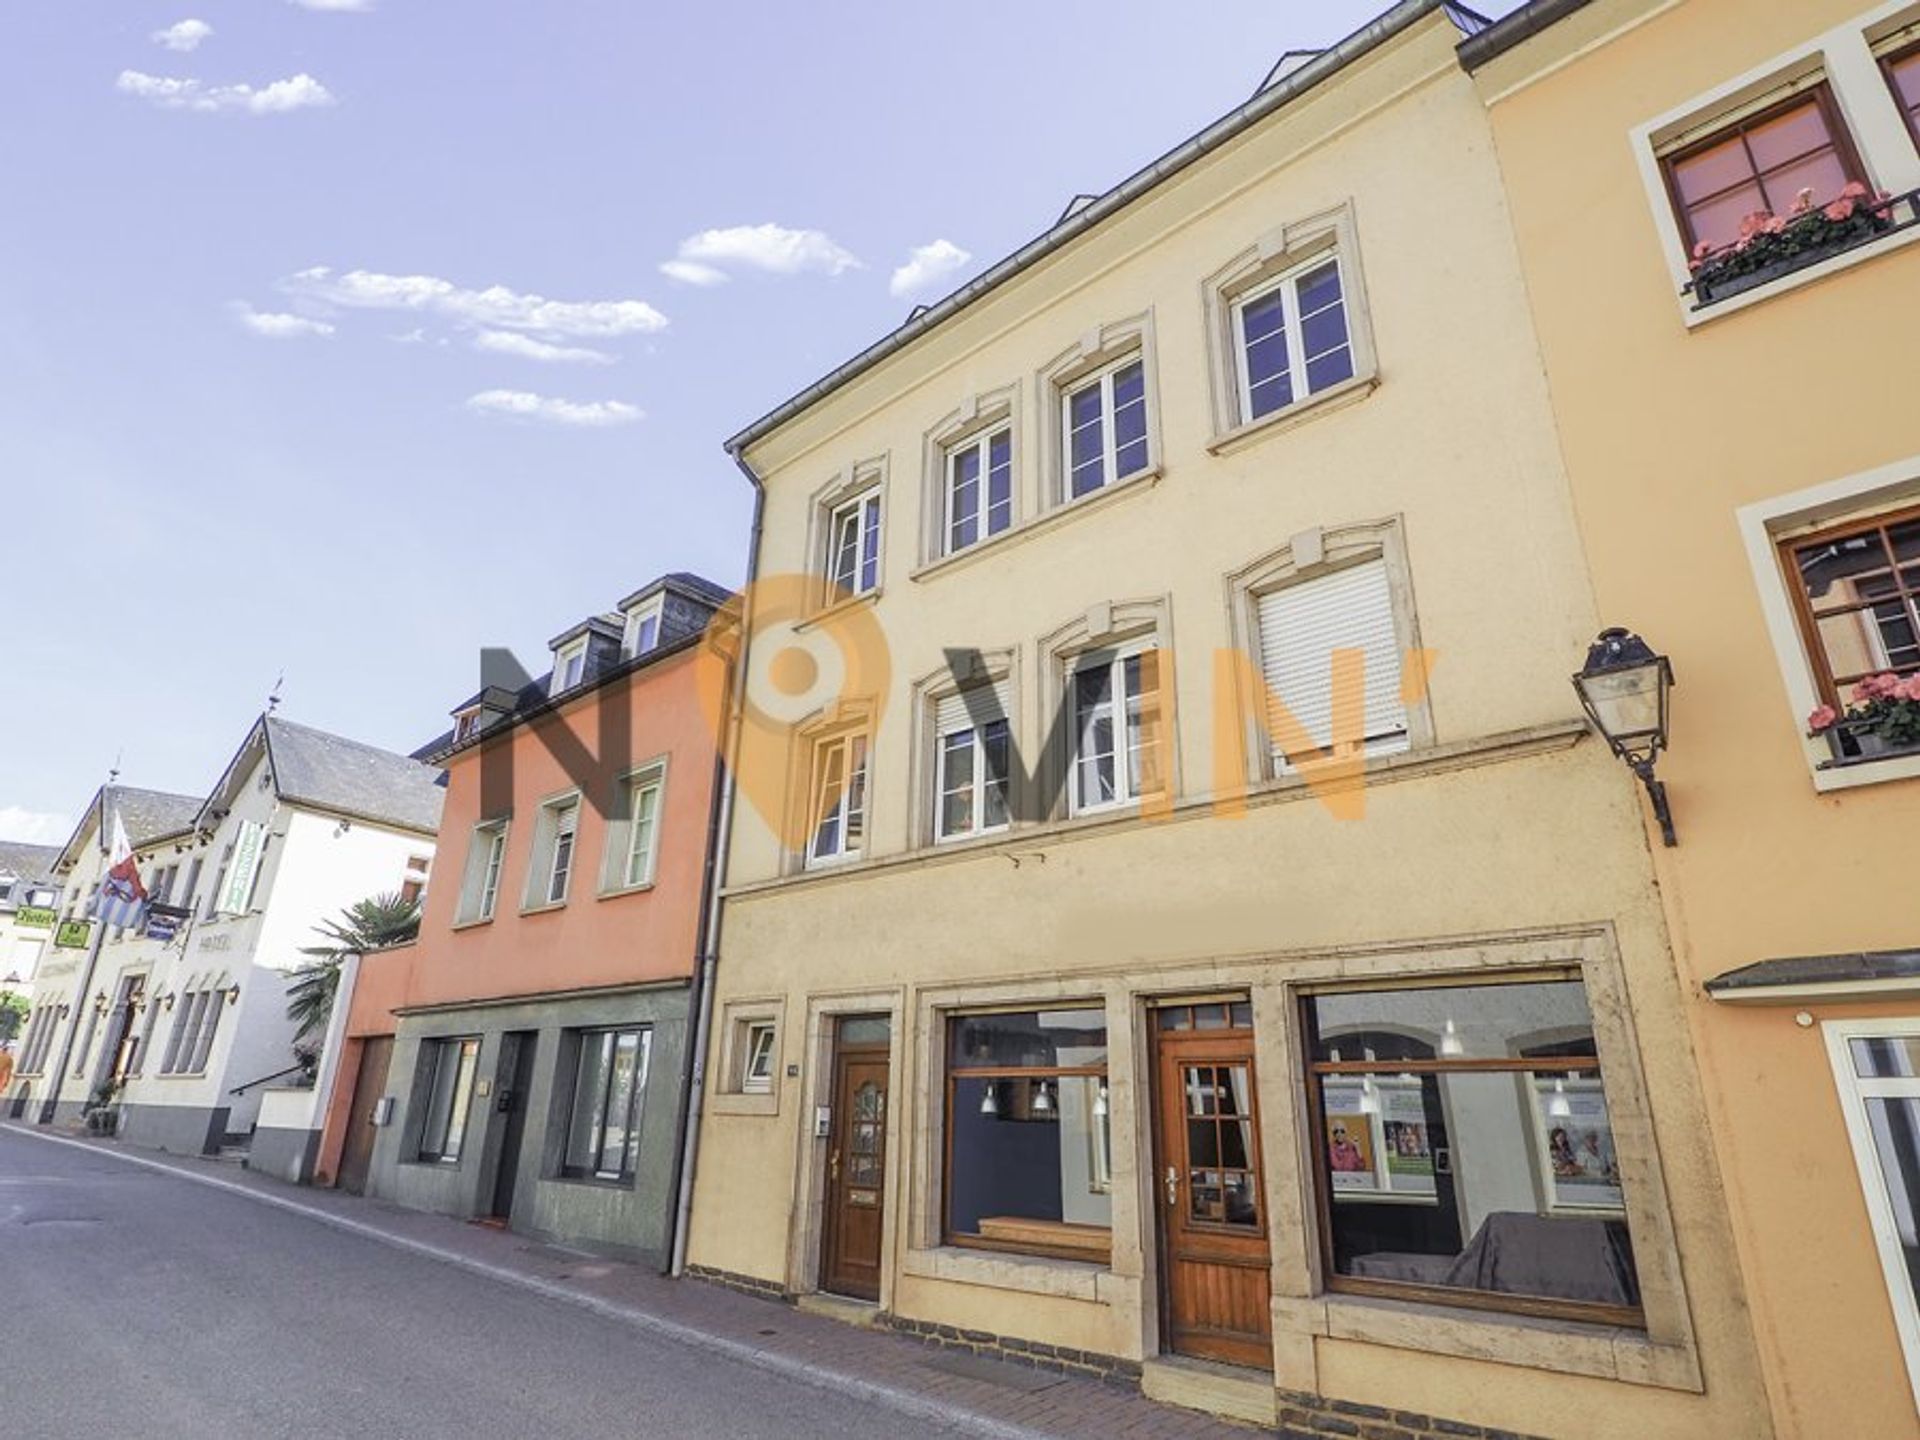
{"x":525,"y":405}
{"x":926,"y":267}
{"x":33,"y":827}
{"x":184,"y":36}
{"x":512,"y":342}
{"x":354,"y":6}
{"x":275,"y":326}
{"x":692,"y":272}
{"x":495,"y":308}
{"x":301,"y":92}
{"x":772,"y":248}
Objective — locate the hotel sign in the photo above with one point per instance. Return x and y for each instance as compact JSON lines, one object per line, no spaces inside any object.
{"x":35,"y":917}
{"x":72,"y":934}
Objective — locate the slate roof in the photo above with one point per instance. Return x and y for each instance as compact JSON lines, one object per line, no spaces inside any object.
{"x":330,"y":772}
{"x":1859,"y":967}
{"x":149,"y":815}
{"x":685,"y":581}
{"x":31,"y":863}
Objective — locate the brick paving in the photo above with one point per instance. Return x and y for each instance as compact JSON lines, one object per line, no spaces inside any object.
{"x":984,"y":1394}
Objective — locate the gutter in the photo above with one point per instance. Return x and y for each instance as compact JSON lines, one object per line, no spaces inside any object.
{"x":707,"y":947}
{"x":1511,"y":30}
{"x":1384,"y":27}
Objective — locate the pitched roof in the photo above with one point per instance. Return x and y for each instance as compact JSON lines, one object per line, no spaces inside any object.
{"x":149,"y":815}
{"x":27,"y":862}
{"x":687,"y":583}
{"x":330,"y":772}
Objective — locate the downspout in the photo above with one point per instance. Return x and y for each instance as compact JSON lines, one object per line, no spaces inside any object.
{"x":720,"y":828}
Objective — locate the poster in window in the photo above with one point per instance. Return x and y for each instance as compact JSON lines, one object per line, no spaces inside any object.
{"x":1405,"y":1138}
{"x":1379,"y":1146}
{"x":1351,"y":1158}
{"x":1580,"y":1169}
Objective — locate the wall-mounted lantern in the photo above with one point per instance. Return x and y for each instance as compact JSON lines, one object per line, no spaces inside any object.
{"x":1624,"y":688}
{"x":99,"y":1002}
{"x":233,"y":993}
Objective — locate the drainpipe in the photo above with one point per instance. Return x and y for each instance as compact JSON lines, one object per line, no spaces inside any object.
{"x":707,"y":951}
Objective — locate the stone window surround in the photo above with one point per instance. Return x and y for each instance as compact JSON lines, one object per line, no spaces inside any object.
{"x":1107,"y":622}
{"x":848,"y":484}
{"x":736,"y":1016}
{"x":928,"y":691}
{"x":1099,"y":348}
{"x":472,"y":876}
{"x":1664,"y":1355}
{"x":1284,"y":248}
{"x":810,"y":1169}
{"x":973,"y":417}
{"x":616,"y":835}
{"x":845,"y":716}
{"x":1763,"y":525}
{"x":546,"y":811}
{"x":1844,"y":55}
{"x":1307,"y":555}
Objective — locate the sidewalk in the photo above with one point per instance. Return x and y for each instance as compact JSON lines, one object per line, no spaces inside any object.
{"x":968,"y":1393}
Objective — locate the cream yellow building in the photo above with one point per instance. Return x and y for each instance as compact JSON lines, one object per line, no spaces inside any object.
{"x":1298,"y":1029}
{"x":1743,"y":445}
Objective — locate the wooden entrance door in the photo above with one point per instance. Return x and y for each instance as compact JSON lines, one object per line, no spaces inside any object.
{"x":856,"y":1173}
{"x":1215,"y":1257}
{"x":369,"y":1084}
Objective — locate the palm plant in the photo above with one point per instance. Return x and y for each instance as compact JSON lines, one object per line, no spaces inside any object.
{"x":378,"y":923}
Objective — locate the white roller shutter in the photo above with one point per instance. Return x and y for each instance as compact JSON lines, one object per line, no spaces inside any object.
{"x":951,"y":713}
{"x":1302,"y":625}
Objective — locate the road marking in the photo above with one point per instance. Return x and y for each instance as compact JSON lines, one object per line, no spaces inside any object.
{"x":819,"y":1377}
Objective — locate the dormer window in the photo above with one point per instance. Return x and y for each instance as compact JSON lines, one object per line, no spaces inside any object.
{"x":569,"y":666}
{"x":466,"y":725}
{"x":643,"y":628}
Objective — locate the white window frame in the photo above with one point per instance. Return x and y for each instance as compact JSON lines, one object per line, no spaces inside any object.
{"x":486,"y":864}
{"x":1287,"y":286}
{"x":1104,"y":378}
{"x":752,"y":1051}
{"x":563,"y":659}
{"x":653,"y":610}
{"x":1118,"y":656}
{"x":466,"y":725}
{"x":856,"y":747}
{"x":1854,"y":1092}
{"x":544,"y":865}
{"x":979,"y":444}
{"x":617,"y":875}
{"x":941,"y":734}
{"x":868,"y":511}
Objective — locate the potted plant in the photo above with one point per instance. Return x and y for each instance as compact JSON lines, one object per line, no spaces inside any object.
{"x":1771,"y":245}
{"x":1882,"y":719}
{"x":99,"y":1113}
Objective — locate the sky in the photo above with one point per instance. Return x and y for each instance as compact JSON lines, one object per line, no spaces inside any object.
{"x":341,"y":338}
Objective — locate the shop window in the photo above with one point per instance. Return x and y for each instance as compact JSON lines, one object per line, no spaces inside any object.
{"x":450,"y":1066}
{"x":1029,"y":1149}
{"x":1466,"y":1153}
{"x":603,"y":1122}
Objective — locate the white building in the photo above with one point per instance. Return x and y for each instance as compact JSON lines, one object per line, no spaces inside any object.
{"x":28,"y":897}
{"x":182,"y":1026}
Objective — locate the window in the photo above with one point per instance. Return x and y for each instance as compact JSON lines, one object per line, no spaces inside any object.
{"x":569,"y":666}
{"x":183,"y":1026}
{"x":1302,"y":627}
{"x":977,"y":497}
{"x":33,"y":1051}
{"x":1116,"y":728}
{"x":210,"y":1012}
{"x":1104,"y":427}
{"x":550,"y":869}
{"x":414,"y":886}
{"x":853,"y":546}
{"x":192,"y":887}
{"x":147,"y":1032}
{"x":219,"y":882}
{"x":757,"y":1047}
{"x":1291,"y":339}
{"x":1029,"y":1153}
{"x":466,"y":725}
{"x":1902,"y":69}
{"x":1877,"y":1065}
{"x":972,"y":762}
{"x":1761,"y":162}
{"x":449,"y":1092}
{"x":1857,"y":591}
{"x":633,"y":832}
{"x":1466,"y":1151}
{"x":603,"y":1125}
{"x":643,"y":628}
{"x":839,"y":799}
{"x":480,"y":887}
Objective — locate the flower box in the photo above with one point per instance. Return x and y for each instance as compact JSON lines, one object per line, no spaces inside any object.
{"x":1882,"y":720}
{"x":1771,"y":246}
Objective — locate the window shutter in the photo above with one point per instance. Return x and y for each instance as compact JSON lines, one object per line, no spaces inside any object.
{"x":1302,"y":625}
{"x":951,"y":714}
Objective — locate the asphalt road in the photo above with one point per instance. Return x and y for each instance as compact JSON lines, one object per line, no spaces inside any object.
{"x":134,"y":1302}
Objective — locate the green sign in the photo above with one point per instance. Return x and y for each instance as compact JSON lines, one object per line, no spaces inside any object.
{"x":72,"y":934}
{"x":35,"y":917}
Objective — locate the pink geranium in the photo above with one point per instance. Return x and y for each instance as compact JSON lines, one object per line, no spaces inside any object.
{"x":1910,"y":687}
{"x":1885,"y":686}
{"x":1839,"y":209}
{"x":1852,"y":190}
{"x":1822,"y":718}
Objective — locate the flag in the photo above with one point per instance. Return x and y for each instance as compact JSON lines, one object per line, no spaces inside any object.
{"x":123,"y":898}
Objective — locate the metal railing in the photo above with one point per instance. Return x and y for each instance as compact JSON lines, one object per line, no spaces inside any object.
{"x":1888,"y":217}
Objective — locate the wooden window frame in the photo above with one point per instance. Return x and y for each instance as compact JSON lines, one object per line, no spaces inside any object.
{"x":1825,"y":681}
{"x":1632,"y":1317}
{"x":1887,"y":62}
{"x":1819,"y":92}
{"x":949,"y":1080}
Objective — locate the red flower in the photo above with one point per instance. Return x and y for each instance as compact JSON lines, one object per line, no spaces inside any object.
{"x":1839,"y":210}
{"x":1822,"y":718}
